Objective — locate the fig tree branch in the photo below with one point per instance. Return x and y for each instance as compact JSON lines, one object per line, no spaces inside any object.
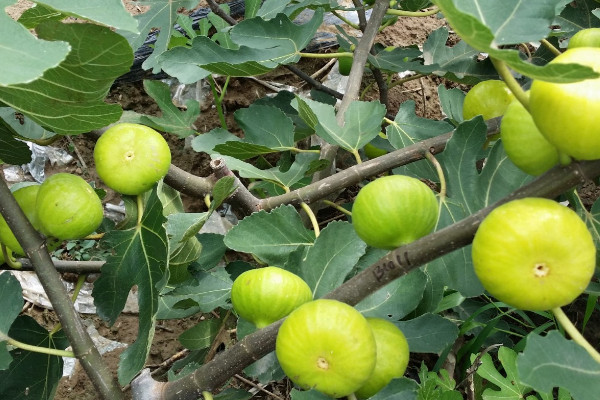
{"x":357,"y":173}
{"x":62,"y":266}
{"x":186,"y":183}
{"x":198,"y":186}
{"x":395,"y":264}
{"x":35,"y":248}
{"x":328,"y":151}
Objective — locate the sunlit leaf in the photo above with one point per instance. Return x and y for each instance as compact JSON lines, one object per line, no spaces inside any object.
{"x":512,"y":21}
{"x":553,"y":361}
{"x":263,"y":45}
{"x":267,"y":126}
{"x":508,"y":383}
{"x":23,"y":57}
{"x":332,"y":256}
{"x":458,"y":63}
{"x":69,"y":98}
{"x":173,"y":120}
{"x":399,"y":60}
{"x":106,"y":12}
{"x":39,"y":13}
{"x":271,"y":236}
{"x":294,"y":174}
{"x":362,"y":122}
{"x":207,"y":291}
{"x":481,"y":37}
{"x":160,"y":15}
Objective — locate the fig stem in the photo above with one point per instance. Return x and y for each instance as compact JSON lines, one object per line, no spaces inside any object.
{"x":356,"y":156}
{"x":574,"y":333}
{"x":438,"y":168}
{"x":8,"y":257}
{"x":351,"y":396}
{"x":345,"y":20}
{"x":218,"y":99}
{"x":337,"y":207}
{"x":38,"y":349}
{"x":326,"y":55}
{"x":207,"y":395}
{"x":550,"y":47}
{"x":140,"y":209}
{"x":564,"y":159}
{"x":76,"y":290}
{"x":403,"y":13}
{"x":511,"y":82}
{"x":312,"y":217}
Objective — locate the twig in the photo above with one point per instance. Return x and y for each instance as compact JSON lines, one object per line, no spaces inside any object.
{"x":77,"y":153}
{"x":257,"y":386}
{"x":62,"y":266}
{"x":214,"y":7}
{"x":324,"y":69}
{"x":313,"y":82}
{"x":187,"y":183}
{"x":360,"y":12}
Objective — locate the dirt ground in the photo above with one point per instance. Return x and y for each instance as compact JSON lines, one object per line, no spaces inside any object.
{"x":241,"y":93}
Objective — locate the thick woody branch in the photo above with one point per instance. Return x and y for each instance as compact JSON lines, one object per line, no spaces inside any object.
{"x":187,"y":183}
{"x":241,"y":200}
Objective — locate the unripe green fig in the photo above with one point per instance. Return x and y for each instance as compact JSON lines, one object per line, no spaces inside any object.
{"x":568,"y":114}
{"x":265,"y":295}
{"x":392,"y":357}
{"x":131,"y":158}
{"x":523,"y":142}
{"x":326,"y":345}
{"x":488,"y":99}
{"x":534,"y":254}
{"x":68,"y":207}
{"x":585,"y":38}
{"x":394,"y":210}
{"x":26,"y":198}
